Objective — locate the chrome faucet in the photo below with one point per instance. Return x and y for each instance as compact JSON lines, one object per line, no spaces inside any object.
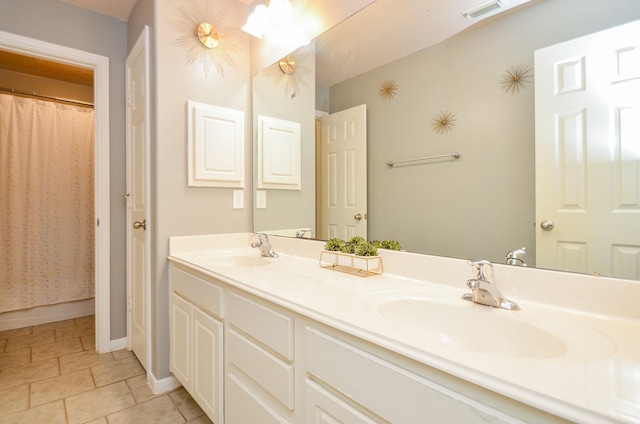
{"x":265,"y":246}
{"x":301,"y":233}
{"x":483,"y":289}
{"x":516,"y":257}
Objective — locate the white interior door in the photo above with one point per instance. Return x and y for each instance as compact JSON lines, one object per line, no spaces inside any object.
{"x":342,"y":192}
{"x":588,"y":154}
{"x":137,"y":199}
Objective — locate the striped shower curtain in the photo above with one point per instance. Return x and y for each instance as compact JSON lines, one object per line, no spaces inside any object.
{"x":46,"y":203}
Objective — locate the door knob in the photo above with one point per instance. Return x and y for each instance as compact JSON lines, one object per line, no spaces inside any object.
{"x":357,"y":216}
{"x":137,"y":225}
{"x":546,"y":225}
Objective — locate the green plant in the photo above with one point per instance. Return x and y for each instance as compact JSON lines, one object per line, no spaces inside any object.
{"x":387,"y":244}
{"x":356,"y":245}
{"x":366,"y":249}
{"x":335,"y":245}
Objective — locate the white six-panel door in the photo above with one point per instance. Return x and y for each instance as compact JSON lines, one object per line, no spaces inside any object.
{"x":342,"y":205}
{"x":587,"y":102}
{"x":137,"y":197}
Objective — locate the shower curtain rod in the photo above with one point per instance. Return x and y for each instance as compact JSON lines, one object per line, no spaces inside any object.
{"x":40,"y":96}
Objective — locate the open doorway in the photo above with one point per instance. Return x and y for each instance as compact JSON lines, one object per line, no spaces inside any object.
{"x":98,"y":67}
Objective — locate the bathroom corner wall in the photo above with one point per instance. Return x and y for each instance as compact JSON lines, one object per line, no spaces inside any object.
{"x":177,"y":208}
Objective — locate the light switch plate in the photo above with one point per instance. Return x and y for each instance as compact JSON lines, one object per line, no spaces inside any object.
{"x":238,"y":199}
{"x":261,"y":199}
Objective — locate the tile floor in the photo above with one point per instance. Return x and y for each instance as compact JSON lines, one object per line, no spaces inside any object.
{"x":51,"y":374}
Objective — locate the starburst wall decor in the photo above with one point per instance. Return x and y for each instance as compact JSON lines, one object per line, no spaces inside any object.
{"x":204,"y":33}
{"x":515,"y":78}
{"x":289,"y":73}
{"x":443,"y":122}
{"x":388,"y":89}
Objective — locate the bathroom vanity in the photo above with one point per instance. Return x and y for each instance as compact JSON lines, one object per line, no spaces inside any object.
{"x":282,"y":340}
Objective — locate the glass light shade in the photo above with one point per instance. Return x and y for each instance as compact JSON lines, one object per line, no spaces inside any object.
{"x":258,"y":22}
{"x":280,"y":11}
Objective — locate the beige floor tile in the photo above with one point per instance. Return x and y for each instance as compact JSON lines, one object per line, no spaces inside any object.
{"x":116,"y":371}
{"x":201,"y":420}
{"x":20,"y":342}
{"x":88,"y":342}
{"x":99,"y":403}
{"x":140,"y":389}
{"x":73,"y":332}
{"x":185,"y":403}
{"x":17,"y":376}
{"x":121,"y":354}
{"x":158,"y":411}
{"x":15,"y":358}
{"x":102,"y":420}
{"x":89,"y":320}
{"x":66,"y":385}
{"x":82,"y":360}
{"x":14,"y":400}
{"x":50,"y":413}
{"x":53,"y":350}
{"x":53,"y":325}
{"x":18,"y":332}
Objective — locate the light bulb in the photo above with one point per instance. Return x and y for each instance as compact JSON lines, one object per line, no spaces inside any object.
{"x":280,"y":11}
{"x":258,"y":22}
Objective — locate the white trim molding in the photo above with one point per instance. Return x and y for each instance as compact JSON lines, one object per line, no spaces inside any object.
{"x":100,"y":66}
{"x":164,"y":385}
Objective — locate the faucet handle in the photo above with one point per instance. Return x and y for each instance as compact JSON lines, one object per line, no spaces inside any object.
{"x":263,"y":238}
{"x":482,"y":270}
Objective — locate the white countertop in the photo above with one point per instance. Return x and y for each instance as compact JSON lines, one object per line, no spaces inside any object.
{"x":592,"y":376}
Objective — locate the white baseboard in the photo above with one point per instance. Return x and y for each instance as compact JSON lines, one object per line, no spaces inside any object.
{"x":119,"y":344}
{"x":46,"y":314}
{"x":163,"y":385}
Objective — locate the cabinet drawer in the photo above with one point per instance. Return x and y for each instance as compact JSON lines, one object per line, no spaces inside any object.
{"x":391,"y":392}
{"x":272,"y":374}
{"x":206,"y":295}
{"x":243,"y":406}
{"x":271,"y":328}
{"x":323,"y":407}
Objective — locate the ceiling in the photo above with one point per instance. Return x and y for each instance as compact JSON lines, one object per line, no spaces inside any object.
{"x":406,"y":31}
{"x":14,"y":62}
{"x":408,"y":26}
{"x":120,"y":9}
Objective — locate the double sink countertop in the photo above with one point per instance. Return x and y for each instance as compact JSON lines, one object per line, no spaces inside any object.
{"x":572,"y":350}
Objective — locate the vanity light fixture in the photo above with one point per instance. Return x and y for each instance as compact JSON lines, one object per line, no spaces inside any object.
{"x":266,"y":15}
{"x":484,"y":8}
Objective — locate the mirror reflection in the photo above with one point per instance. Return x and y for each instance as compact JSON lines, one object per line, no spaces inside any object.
{"x":452,"y":96}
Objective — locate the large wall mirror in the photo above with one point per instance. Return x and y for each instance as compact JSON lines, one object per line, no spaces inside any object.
{"x":479,"y":206}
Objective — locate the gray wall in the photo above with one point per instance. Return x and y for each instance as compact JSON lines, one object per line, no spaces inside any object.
{"x":178,"y":209}
{"x":481,"y":205}
{"x":60,"y":23}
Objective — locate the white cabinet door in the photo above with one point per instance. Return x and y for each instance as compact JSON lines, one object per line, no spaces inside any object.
{"x":181,"y":340}
{"x":207,"y":364}
{"x":197,"y":355}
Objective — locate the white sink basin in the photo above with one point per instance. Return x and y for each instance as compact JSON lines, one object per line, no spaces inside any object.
{"x":527,"y":334}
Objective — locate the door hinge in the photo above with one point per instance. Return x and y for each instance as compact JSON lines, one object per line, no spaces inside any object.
{"x":129,"y":308}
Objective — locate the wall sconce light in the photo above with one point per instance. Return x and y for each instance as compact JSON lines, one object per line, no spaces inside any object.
{"x":266,"y":15}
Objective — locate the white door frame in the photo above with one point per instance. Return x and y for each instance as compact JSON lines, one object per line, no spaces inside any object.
{"x":141,"y":47}
{"x":100,"y":66}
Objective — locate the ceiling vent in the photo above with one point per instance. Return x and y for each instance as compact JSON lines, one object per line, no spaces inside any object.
{"x":484,"y":8}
